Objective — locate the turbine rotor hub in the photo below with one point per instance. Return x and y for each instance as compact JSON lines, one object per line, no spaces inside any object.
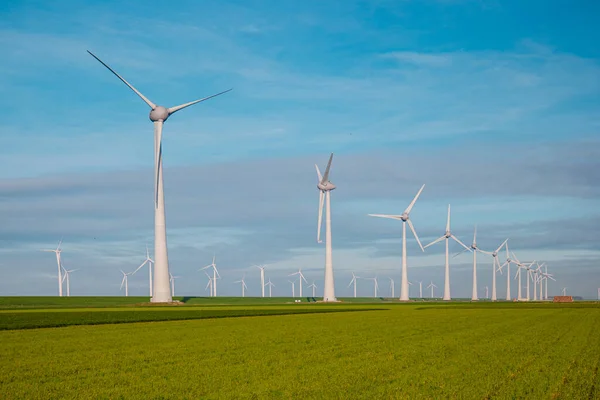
{"x":404,"y":217}
{"x":327,"y":186}
{"x":160,"y":113}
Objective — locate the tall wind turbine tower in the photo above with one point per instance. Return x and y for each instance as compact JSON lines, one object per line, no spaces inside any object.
{"x":495,"y":267}
{"x":447,"y":236}
{"x":158,"y":115}
{"x":262,"y":279}
{"x":405,"y":218}
{"x":57,"y":251}
{"x":353,"y":281}
{"x":474,"y":249}
{"x":325,"y":187}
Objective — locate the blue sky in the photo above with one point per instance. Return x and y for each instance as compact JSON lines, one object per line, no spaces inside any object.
{"x":494,"y":105}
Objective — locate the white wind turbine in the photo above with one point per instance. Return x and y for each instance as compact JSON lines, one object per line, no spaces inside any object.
{"x":66,"y":277}
{"x":216,"y":275}
{"x":262,"y":279}
{"x":353,"y":281}
{"x":495,"y":267}
{"x":270,"y":285}
{"x":474,"y":250}
{"x":148,"y":261}
{"x":158,"y":115}
{"x":447,"y":236}
{"x":376,"y":285}
{"x":391,"y":287}
{"x":244,"y":287}
{"x":209,"y":284}
{"x":325,"y":187}
{"x":431,"y":285}
{"x":564,"y":291}
{"x":293,"y":288}
{"x":300,"y":278}
{"x":409,"y":284}
{"x":124,"y":282}
{"x":405,"y":218}
{"x":172,"y":281}
{"x":486,"y":293}
{"x":521,"y":266}
{"x":314,"y":288}
{"x":546,"y":276}
{"x":507,"y":263}
{"x":420,"y":289}
{"x":58,"y":251}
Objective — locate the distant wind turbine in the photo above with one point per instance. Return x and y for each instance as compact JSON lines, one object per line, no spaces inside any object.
{"x":420,"y":289}
{"x":314,"y":288}
{"x":447,"y":236}
{"x":262,"y":279}
{"x":293,"y":288}
{"x":158,"y":115}
{"x":270,"y":285}
{"x":564,"y":291}
{"x":376,"y":285}
{"x":148,"y":261}
{"x":474,"y":250}
{"x":353,"y":281}
{"x":431,"y":285}
{"x":216,"y":275}
{"x":300,"y":278}
{"x":391,"y":287}
{"x":486,"y":293}
{"x":66,"y":276}
{"x":244,"y":287}
{"x":495,"y":266}
{"x":405,"y":218}
{"x":172,"y":281}
{"x":124,"y":282}
{"x":325,"y":187}
{"x":58,"y":251}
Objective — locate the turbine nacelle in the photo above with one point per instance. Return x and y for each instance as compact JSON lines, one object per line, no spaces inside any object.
{"x":159,"y":113}
{"x":327,"y":186}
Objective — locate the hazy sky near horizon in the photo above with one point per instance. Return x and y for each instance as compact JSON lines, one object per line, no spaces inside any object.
{"x":494,"y":105}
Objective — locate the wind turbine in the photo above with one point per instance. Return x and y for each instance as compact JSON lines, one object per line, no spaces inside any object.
{"x":420,"y":289}
{"x":474,"y":250}
{"x":57,"y":251}
{"x":244,"y":287}
{"x":124,"y":282}
{"x":564,"y":291}
{"x":293,"y":288}
{"x":391,"y":287}
{"x":216,"y":275}
{"x":447,"y":236}
{"x":262,"y":279}
{"x":376,"y":286}
{"x":486,"y":293}
{"x":148,"y":261}
{"x":405,"y":218}
{"x":300,"y":278}
{"x":353,"y":281}
{"x":410,"y":284}
{"x":507,"y":263}
{"x":172,"y":281}
{"x":547,"y":275}
{"x":270,"y":285}
{"x":314,"y":287}
{"x":431,"y":285}
{"x":325,"y":187}
{"x":66,"y":276}
{"x":209,"y":284}
{"x":158,"y":115}
{"x":495,"y":267}
{"x":521,"y":266}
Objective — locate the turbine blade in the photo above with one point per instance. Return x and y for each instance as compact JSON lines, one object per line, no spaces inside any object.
{"x":318,"y":173}
{"x":459,"y":242}
{"x":326,"y":176}
{"x":475,"y":235}
{"x":138,"y":268}
{"x":412,"y":228}
{"x":459,"y":253}
{"x":448,"y":222}
{"x":320,"y":222}
{"x":435,"y":241}
{"x":502,"y":245}
{"x":412,"y":203}
{"x":173,"y":110}
{"x":385,"y":216}
{"x":151,"y":104}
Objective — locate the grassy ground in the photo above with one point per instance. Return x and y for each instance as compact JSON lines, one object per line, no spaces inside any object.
{"x":412,"y":351}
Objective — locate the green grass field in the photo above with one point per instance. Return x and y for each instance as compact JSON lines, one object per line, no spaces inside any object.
{"x":397,"y":351}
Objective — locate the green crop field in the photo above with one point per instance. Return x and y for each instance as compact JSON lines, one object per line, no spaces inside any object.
{"x":388,"y":350}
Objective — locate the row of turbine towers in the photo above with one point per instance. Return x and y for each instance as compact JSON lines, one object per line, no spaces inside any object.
{"x":163,"y":280}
